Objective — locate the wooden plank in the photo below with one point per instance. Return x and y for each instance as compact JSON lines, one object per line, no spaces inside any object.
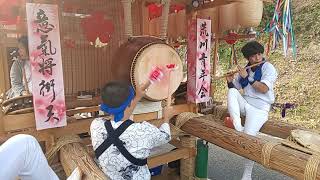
{"x":71,"y":112}
{"x":72,"y":102}
{"x":24,"y":121}
{"x":176,"y":143}
{"x":73,"y":127}
{"x":145,"y":116}
{"x":181,"y":153}
{"x":177,"y":109}
{"x":282,"y":158}
{"x":16,"y":122}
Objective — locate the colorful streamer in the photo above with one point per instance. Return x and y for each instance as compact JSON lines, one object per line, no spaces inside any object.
{"x":281,"y":28}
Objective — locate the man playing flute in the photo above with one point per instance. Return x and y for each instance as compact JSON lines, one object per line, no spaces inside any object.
{"x":254,"y":103}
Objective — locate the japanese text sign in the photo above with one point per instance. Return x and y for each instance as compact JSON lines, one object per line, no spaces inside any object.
{"x":46,"y":65}
{"x":199,"y":48}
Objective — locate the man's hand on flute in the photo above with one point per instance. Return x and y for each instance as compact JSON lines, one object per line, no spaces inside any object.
{"x":230,"y":78}
{"x":242,"y":72}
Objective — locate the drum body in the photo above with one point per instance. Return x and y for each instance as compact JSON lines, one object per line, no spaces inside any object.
{"x":136,"y":58}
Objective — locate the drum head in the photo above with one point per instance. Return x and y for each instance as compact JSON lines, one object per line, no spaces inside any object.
{"x":157,"y":55}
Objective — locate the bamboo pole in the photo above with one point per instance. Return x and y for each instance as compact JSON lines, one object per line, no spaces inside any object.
{"x":283,"y":159}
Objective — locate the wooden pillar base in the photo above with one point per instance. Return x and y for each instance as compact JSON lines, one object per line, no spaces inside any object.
{"x":187,"y":166}
{"x":75,"y":155}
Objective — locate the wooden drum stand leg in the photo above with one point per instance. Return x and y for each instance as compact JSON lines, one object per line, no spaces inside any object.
{"x":187,"y":166}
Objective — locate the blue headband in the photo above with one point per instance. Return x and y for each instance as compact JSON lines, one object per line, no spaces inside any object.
{"x":118,"y":112}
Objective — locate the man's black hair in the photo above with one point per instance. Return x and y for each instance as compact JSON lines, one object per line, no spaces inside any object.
{"x":115,"y":93}
{"x":24,"y":41}
{"x":252,"y":48}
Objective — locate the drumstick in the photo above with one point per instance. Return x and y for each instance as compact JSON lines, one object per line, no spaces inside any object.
{"x":235,"y":71}
{"x":169,"y":94}
{"x":170,"y":67}
{"x":156,"y":75}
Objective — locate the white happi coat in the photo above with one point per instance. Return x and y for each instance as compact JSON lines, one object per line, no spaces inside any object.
{"x":139,"y":139}
{"x":253,"y":104}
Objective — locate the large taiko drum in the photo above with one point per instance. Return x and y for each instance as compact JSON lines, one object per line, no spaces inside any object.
{"x":136,"y":58}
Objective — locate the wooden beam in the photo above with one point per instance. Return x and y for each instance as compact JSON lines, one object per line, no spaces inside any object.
{"x":145,"y":116}
{"x":214,"y":4}
{"x":71,"y":112}
{"x":181,"y":153}
{"x":73,"y":127}
{"x":217,"y":3}
{"x":271,"y":127}
{"x":279,"y":129}
{"x":72,"y":102}
{"x":283,"y":159}
{"x":176,"y":143}
{"x":27,"y":121}
{"x":17,"y":122}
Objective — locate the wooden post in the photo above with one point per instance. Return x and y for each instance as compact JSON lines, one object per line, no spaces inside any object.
{"x":127,"y":17}
{"x":1,"y":121}
{"x":215,"y":63}
{"x":215,"y":55}
{"x":187,"y":165}
{"x":164,"y":19}
{"x":75,"y":155}
{"x":283,"y":159}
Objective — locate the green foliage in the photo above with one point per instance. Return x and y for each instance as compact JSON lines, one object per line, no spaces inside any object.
{"x":268,"y":11}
